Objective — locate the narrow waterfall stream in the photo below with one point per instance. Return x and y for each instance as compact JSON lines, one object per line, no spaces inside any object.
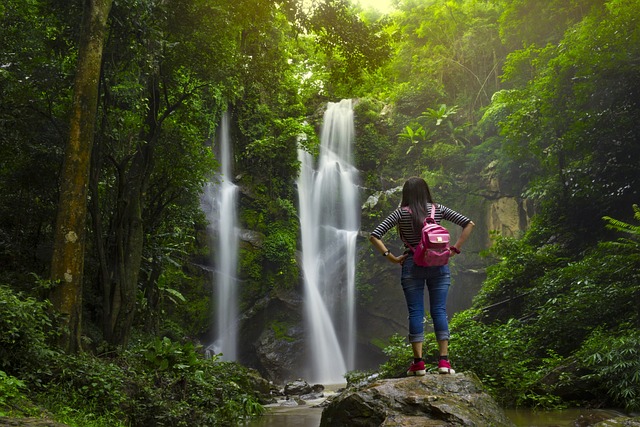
{"x":219,"y":203}
{"x":329,"y":222}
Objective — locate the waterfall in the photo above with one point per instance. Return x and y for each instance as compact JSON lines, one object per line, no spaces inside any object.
{"x":329,"y":222}
{"x":219,"y":204}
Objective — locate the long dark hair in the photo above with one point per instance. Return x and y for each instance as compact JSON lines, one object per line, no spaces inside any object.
{"x":415,"y":195}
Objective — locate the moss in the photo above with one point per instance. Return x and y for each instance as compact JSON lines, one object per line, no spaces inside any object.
{"x":280,"y":330}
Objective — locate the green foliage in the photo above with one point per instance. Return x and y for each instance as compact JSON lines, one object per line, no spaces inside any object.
{"x":630,"y":243}
{"x":372,"y":141}
{"x":613,"y":357}
{"x":502,"y":357}
{"x":516,"y":272}
{"x":352,"y":45}
{"x":537,"y":312}
{"x":574,"y":99}
{"x":451,"y":57}
{"x":280,"y":329}
{"x":279,"y":248}
{"x":191,"y":390}
{"x":85,"y":384}
{"x":158,"y":383}
{"x":280,"y":244}
{"x":12,"y":393}
{"x":35,"y":80}
{"x":164,"y":354}
{"x":26,"y":326}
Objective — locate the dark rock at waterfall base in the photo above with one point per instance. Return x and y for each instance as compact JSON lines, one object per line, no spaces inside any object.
{"x":272,"y":336}
{"x":312,"y":396}
{"x":300,"y":387}
{"x":432,"y":400}
{"x":297,"y":387}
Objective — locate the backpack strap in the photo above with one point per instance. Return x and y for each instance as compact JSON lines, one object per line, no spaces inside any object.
{"x":432,"y":217}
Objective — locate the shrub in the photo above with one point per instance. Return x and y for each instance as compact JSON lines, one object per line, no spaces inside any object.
{"x":11,"y":392}
{"x":613,"y":359}
{"x":83,"y":384}
{"x":500,"y":354}
{"x":26,"y":328}
{"x":175,"y":385}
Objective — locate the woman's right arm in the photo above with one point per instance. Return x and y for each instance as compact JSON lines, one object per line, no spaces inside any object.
{"x":376,"y":237}
{"x":381,"y":247}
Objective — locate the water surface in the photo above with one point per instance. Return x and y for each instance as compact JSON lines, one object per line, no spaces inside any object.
{"x":306,"y":416}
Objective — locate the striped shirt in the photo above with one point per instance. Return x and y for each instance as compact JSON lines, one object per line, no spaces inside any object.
{"x":402,"y":219}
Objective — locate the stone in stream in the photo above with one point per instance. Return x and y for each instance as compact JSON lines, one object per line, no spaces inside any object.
{"x":431,"y":400}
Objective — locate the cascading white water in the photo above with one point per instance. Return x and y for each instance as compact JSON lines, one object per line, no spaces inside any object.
{"x":219,"y":203}
{"x":329,"y":222}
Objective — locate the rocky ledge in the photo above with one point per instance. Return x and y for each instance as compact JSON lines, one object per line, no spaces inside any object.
{"x":431,"y":400}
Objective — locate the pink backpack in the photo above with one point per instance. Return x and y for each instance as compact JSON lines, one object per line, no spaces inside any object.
{"x":433,"y":249}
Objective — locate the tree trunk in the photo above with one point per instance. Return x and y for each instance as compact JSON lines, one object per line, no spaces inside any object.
{"x":67,"y":261}
{"x":120,"y":292}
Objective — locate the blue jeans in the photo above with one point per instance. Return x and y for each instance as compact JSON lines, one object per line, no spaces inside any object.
{"x":437,"y":279}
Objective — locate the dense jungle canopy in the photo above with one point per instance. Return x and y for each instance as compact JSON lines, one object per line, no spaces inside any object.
{"x":542,"y":97}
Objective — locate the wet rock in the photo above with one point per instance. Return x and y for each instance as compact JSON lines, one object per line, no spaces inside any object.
{"x":289,"y":403}
{"x":298,"y":387}
{"x":312,"y":396}
{"x":619,"y":422}
{"x":432,"y":400}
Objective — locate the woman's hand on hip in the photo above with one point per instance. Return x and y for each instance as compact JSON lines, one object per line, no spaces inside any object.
{"x":397,"y":259}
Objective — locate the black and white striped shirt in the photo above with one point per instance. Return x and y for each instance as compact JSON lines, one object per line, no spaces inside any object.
{"x":402,"y":219}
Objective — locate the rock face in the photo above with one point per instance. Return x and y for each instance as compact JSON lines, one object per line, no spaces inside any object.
{"x":432,"y":400}
{"x":272,"y":336}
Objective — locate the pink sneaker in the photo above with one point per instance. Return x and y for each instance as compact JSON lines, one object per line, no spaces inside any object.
{"x":416,"y":369}
{"x":444,"y":367}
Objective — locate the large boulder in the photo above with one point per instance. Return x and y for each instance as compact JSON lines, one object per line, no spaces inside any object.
{"x":431,"y":400}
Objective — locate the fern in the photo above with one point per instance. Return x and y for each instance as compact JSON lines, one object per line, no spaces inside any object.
{"x":625,"y":245}
{"x":617,"y":225}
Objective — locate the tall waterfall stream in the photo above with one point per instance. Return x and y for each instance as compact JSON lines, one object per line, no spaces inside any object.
{"x":329,"y":222}
{"x":219,"y":204}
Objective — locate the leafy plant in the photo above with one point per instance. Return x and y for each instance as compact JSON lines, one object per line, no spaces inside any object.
{"x":12,"y":391}
{"x":27,"y":327}
{"x":614,"y":361}
{"x":164,"y":354}
{"x":420,"y":134}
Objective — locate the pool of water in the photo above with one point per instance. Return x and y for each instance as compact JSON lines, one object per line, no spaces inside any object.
{"x":301,"y":416}
{"x":308,"y":416}
{"x":562,"y":418}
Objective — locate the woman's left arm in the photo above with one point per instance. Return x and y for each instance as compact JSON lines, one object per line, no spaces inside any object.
{"x":466,"y":231}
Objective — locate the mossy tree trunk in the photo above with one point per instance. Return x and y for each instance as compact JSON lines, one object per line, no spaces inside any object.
{"x":67,"y":261}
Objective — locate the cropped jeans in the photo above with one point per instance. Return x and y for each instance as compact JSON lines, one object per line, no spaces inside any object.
{"x":437,"y":280}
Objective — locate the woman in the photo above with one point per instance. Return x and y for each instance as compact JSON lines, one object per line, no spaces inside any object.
{"x":409,"y":217}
